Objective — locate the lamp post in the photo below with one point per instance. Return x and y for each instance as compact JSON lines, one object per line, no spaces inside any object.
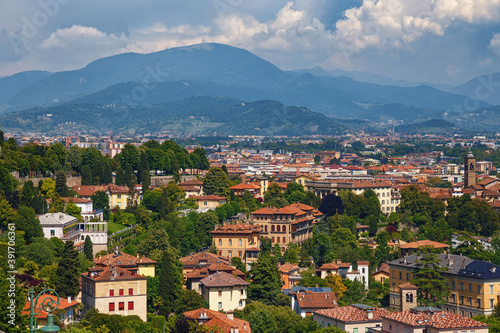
{"x":48,"y":305}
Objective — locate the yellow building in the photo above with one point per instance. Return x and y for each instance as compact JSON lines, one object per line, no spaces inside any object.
{"x":115,"y":290}
{"x":209,"y":201}
{"x":143,"y":265}
{"x":224,"y":291}
{"x":237,"y":240}
{"x":474,"y":284}
{"x":119,"y":196}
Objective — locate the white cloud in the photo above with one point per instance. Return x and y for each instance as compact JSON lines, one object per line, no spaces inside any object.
{"x":495,"y":43}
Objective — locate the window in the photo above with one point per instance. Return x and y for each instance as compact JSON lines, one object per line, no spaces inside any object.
{"x":230,"y":253}
{"x":121,"y":306}
{"x":355,"y":330}
{"x":220,"y":305}
{"x":130,"y":291}
{"x":470,"y":301}
{"x":478,"y":288}
{"x":240,"y":254}
{"x":230,"y":242}
{"x":492,"y":303}
{"x":272,"y":239}
{"x":272,"y":228}
{"x":400,"y":276}
{"x":220,"y":253}
{"x":478,"y":302}
{"x":283,"y":228}
{"x":461,"y":286}
{"x":205,"y":203}
{"x":220,"y":242}
{"x":242,"y":291}
{"x":220,"y":293}
{"x":119,"y":196}
{"x":278,"y":228}
{"x":265,"y":228}
{"x":491,"y":288}
{"x":240,"y":303}
{"x":120,"y":292}
{"x":52,"y":232}
{"x":453,"y":298}
{"x":130,"y":305}
{"x":462,"y":301}
{"x":111,"y":306}
{"x":407,"y":277}
{"x":278,"y":239}
{"x":470,"y":287}
{"x":452,"y":284}
{"x":284,"y":241}
{"x":111,"y":292}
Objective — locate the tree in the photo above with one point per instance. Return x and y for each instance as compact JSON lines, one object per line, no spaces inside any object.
{"x":310,"y":279}
{"x":27,"y":221}
{"x":120,"y":177}
{"x":206,"y":223}
{"x":188,"y":300}
{"x":273,"y":193}
{"x":57,"y":204}
{"x":154,"y":245}
{"x":129,"y":155}
{"x":331,"y":205}
{"x":266,"y":281}
{"x":216,"y":182}
{"x":27,"y":194}
{"x":146,"y":180}
{"x":170,"y":286}
{"x":86,"y":174}
{"x":97,"y":172}
{"x":73,"y":210}
{"x":48,"y":187}
{"x":88,"y":249}
{"x":107,"y":175}
{"x":7,"y":181}
{"x":432,"y":286}
{"x":67,"y":282}
{"x":335,"y":282}
{"x":129,"y":176}
{"x":100,"y":200}
{"x":238,"y":263}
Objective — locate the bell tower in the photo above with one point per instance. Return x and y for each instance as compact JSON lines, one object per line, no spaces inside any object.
{"x":407,"y":296}
{"x":470,"y":170}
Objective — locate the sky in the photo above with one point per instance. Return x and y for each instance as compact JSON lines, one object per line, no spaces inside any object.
{"x":439,"y":41}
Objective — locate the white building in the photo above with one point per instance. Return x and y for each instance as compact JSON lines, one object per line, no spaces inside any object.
{"x":67,"y":227}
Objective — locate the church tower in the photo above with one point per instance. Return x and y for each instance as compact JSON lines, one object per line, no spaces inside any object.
{"x":407,"y":296}
{"x":470,"y":170}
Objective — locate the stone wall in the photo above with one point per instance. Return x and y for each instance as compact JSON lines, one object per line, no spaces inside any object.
{"x":70,"y":181}
{"x":158,"y":181}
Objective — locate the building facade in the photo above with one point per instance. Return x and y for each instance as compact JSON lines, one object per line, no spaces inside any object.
{"x":224,"y":291}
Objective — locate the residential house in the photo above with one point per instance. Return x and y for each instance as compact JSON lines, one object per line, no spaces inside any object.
{"x":66,"y":227}
{"x":428,"y":319}
{"x":143,"y":265}
{"x":304,"y":303}
{"x":238,"y":240}
{"x":355,"y":318}
{"x":474,"y":284}
{"x":209,"y":201}
{"x":115,"y":290}
{"x":201,"y":260}
{"x":194,"y":277}
{"x":412,"y":247}
{"x":192,"y":188}
{"x":346,"y":271}
{"x":240,"y":189}
{"x":65,"y":309}
{"x":382,"y":274}
{"x":216,"y":321}
{"x":289,"y":224}
{"x":290,"y":275}
{"x":121,"y":197}
{"x":224,"y":291}
{"x":86,"y":208}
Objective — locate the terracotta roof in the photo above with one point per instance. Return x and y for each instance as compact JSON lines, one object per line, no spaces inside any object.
{"x":310,"y":300}
{"x":407,"y":286}
{"x":189,"y":188}
{"x":191,"y":183}
{"x":240,"y":228}
{"x":75,"y":200}
{"x":384,"y":268}
{"x":108,"y":274}
{"x":123,"y":259}
{"x":287,"y":268}
{"x":332,"y":266}
{"x":218,"y":319}
{"x":89,"y":190}
{"x":426,"y":242}
{"x":42,"y":314}
{"x":247,"y":186}
{"x":118,"y":189}
{"x":439,"y":320}
{"x":223,"y":279}
{"x":352,"y":313}
{"x":202,"y":259}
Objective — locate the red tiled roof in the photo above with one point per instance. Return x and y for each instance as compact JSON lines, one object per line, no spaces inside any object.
{"x":426,"y":242}
{"x":287,"y":268}
{"x":407,"y":286}
{"x":223,"y":279}
{"x":42,"y":314}
{"x":107,"y":274}
{"x":75,"y":200}
{"x":208,"y":197}
{"x":89,"y":190}
{"x":220,"y":320}
{"x":209,"y":258}
{"x":191,"y":183}
{"x":247,"y":186}
{"x":123,"y":259}
{"x":317,"y":300}
{"x":240,"y":228}
{"x":439,"y":320}
{"x":352,"y":314}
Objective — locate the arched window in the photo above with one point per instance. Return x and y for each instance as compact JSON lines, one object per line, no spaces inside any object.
{"x":363,"y":270}
{"x":284,"y":241}
{"x":278,"y":228}
{"x":272,"y":228}
{"x":408,"y":297}
{"x":220,"y":242}
{"x":230,"y":242}
{"x":239,"y":242}
{"x":265,"y":228}
{"x":411,"y":298}
{"x":283,"y":228}
{"x":278,"y":239}
{"x":272,"y":240}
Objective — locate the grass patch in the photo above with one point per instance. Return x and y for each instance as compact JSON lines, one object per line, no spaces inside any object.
{"x":114,"y":227}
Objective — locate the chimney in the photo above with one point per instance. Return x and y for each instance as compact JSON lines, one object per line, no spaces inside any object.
{"x":69,"y":299}
{"x":230,"y":315}
{"x":339,"y":261}
{"x":450,"y":261}
{"x":369,"y":315}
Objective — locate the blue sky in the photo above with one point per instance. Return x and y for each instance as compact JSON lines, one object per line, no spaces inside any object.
{"x":441,"y":41}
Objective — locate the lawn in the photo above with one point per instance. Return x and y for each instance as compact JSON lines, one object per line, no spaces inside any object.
{"x":114,"y":227}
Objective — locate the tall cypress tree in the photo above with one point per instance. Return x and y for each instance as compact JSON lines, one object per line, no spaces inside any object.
{"x":61,"y":187}
{"x":97,"y":172}
{"x":88,"y":248}
{"x":129,"y":175}
{"x":86,"y":174}
{"x":146,"y":181}
{"x":143,"y":165}
{"x":67,"y":283}
{"x":107,"y":177}
{"x":120,"y":177}
{"x":26,"y":194}
{"x":170,"y":281}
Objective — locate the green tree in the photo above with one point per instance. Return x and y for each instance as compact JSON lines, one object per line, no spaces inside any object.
{"x":27,"y":194}
{"x":129,"y":176}
{"x":331,"y":205}
{"x":188,"y":300}
{"x":216,"y":182}
{"x":432,"y":286}
{"x":97,"y":172}
{"x":273,"y":193}
{"x":73,"y":210}
{"x":67,"y":282}
{"x":88,"y":249}
{"x":120,"y":177}
{"x":48,"y":187}
{"x":86,"y":174}
{"x":129,"y":155}
{"x":27,"y":221}
{"x":107,"y":175}
{"x":238,"y":264}
{"x":206,"y":222}
{"x":7,"y":181}
{"x":310,"y":279}
{"x":266,"y":282}
{"x":155,"y":244}
{"x":170,"y":286}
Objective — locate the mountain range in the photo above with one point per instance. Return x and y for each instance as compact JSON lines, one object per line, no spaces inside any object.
{"x":151,"y":82}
